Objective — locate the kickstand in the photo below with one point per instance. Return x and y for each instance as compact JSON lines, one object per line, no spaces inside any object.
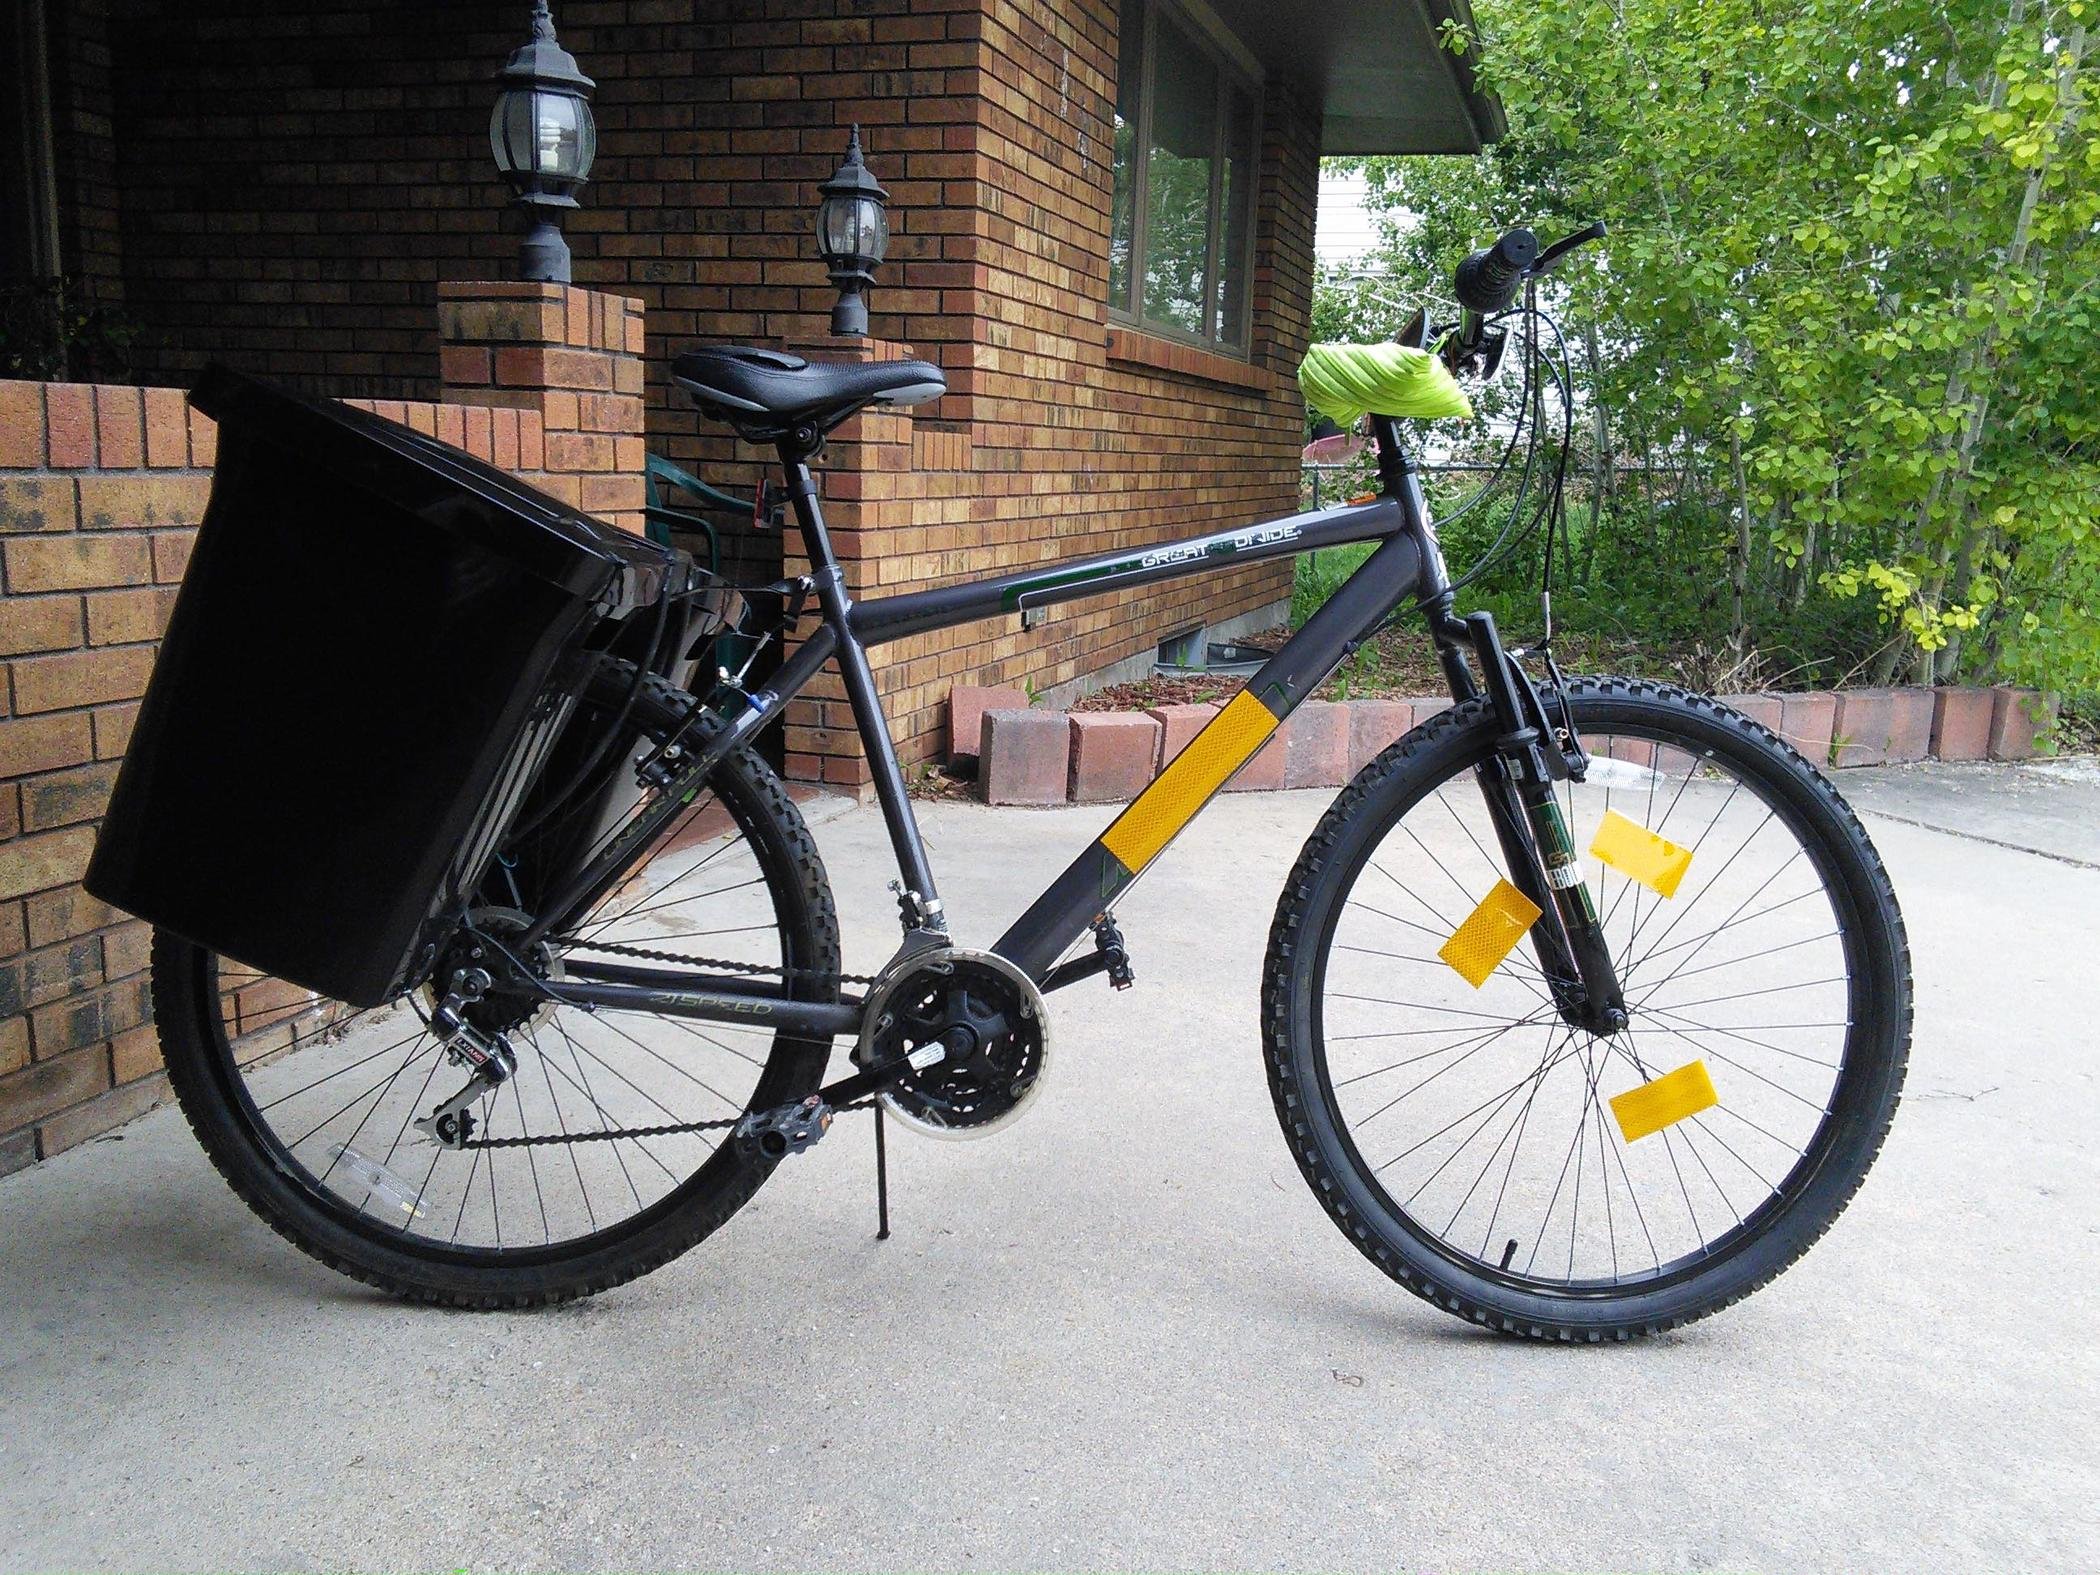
{"x":882,"y":1181}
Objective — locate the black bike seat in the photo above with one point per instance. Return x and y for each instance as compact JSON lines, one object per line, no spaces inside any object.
{"x":768,"y":391}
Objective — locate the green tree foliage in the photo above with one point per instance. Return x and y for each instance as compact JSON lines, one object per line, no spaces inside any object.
{"x":1840,"y":347}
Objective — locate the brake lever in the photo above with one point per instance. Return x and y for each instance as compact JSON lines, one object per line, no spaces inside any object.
{"x":1566,"y":244}
{"x":1478,"y":356}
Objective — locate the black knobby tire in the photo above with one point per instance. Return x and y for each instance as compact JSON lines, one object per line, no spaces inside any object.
{"x":1866,"y":1082}
{"x":209,"y":1084}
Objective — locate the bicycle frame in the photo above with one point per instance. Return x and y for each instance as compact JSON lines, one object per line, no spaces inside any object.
{"x":1407,"y":566}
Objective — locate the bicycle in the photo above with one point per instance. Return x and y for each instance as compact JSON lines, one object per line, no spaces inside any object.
{"x":1592,"y":940}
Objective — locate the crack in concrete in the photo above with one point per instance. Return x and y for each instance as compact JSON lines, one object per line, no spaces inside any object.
{"x":1976,"y":836}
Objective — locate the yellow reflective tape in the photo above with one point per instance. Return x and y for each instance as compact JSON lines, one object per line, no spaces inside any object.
{"x":1477,"y":947}
{"x":1639,"y":854}
{"x":1155,"y":815}
{"x":1664,"y":1102}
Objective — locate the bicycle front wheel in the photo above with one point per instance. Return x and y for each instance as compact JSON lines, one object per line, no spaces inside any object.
{"x":1509,"y":1165}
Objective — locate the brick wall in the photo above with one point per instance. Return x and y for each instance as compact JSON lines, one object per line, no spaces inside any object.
{"x":565,"y":361}
{"x":101,"y":489}
{"x":296,"y":181}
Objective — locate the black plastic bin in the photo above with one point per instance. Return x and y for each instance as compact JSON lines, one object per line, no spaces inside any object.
{"x":373,"y":650}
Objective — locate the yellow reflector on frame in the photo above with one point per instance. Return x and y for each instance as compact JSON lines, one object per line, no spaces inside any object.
{"x":1639,"y":854}
{"x":1669,"y":1099}
{"x":1155,"y":815}
{"x":1477,"y":947}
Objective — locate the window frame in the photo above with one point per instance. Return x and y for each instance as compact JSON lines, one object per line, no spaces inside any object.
{"x":1235,"y":71}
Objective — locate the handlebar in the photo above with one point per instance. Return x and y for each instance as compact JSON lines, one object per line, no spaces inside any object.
{"x":1487,"y":281}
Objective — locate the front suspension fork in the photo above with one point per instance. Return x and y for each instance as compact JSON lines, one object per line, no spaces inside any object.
{"x":1517,"y":782}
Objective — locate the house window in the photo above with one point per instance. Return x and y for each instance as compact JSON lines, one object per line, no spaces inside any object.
{"x":1181,"y":233}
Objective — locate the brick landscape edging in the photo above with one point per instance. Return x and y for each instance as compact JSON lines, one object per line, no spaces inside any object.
{"x":1029,"y":756}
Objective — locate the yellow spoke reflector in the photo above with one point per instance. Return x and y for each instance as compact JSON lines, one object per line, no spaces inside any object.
{"x":1669,"y":1099}
{"x":1639,"y":854}
{"x":1477,"y":947}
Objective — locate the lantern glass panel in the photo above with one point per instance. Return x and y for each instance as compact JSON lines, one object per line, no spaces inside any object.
{"x":562,"y":135}
{"x":852,"y":229}
{"x":835,"y":227}
{"x":874,"y":229}
{"x":537,"y":132}
{"x":510,"y":131}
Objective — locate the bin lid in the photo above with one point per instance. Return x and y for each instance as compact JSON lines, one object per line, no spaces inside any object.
{"x":448,"y":487}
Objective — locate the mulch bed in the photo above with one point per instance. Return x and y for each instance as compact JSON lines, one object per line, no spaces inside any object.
{"x":1145,"y":693}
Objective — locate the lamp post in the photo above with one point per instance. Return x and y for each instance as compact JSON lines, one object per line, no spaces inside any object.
{"x":544,"y":140}
{"x":853,"y":234}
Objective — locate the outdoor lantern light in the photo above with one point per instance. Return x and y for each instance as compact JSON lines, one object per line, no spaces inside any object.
{"x":544,"y":140}
{"x":853,"y":233}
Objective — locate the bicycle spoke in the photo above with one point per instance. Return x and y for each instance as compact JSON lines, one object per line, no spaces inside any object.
{"x":377,"y":1088}
{"x":599,"y":923}
{"x":330,"y":1077}
{"x":1538,"y":1081}
{"x":1514,"y":1121}
{"x":561,"y":1120}
{"x":1440,"y":1131}
{"x":532,"y":1163}
{"x":605,"y":1120}
{"x":674,"y":1066}
{"x":685,"y":899}
{"x":1465,"y":1037}
{"x":1485,"y":1122}
{"x":1692,"y":1027}
{"x":1472,"y":1045}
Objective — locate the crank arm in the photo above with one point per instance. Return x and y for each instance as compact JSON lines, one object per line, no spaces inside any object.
{"x":879,"y":1076}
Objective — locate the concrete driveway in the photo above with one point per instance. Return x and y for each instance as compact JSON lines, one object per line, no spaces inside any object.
{"x":1122,"y":1334}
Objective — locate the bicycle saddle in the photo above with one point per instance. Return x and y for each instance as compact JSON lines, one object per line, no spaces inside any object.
{"x":764,"y":393}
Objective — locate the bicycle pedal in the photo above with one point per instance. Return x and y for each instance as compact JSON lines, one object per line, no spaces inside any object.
{"x":785,"y":1129}
{"x":1115,"y":956}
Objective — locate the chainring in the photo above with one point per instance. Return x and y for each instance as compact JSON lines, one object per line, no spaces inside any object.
{"x":988,"y":1018}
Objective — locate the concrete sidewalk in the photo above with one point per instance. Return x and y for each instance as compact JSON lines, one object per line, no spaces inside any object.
{"x":1123,"y":1334}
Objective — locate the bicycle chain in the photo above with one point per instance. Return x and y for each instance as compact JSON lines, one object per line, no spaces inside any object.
{"x":722,"y":963}
{"x":674,"y":1129}
{"x":678,"y":1129}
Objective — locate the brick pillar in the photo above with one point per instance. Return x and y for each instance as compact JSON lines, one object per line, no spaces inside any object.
{"x":575,"y":356}
{"x":858,"y":479}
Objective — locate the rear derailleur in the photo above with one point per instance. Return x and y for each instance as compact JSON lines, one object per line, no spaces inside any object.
{"x":489,"y":1057}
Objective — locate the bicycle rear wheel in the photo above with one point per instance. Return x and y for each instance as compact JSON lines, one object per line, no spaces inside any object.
{"x":306,"y":1105}
{"x":1481,"y":1148}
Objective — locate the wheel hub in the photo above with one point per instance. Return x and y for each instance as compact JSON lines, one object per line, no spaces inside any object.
{"x":491,"y":939}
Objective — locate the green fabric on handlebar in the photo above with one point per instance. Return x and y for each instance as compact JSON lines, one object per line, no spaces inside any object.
{"x":1345,"y":382}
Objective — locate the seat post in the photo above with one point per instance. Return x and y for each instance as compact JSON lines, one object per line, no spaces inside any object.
{"x":795,"y":455}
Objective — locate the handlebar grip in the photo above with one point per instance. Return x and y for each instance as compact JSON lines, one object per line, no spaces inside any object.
{"x":1487,"y":281}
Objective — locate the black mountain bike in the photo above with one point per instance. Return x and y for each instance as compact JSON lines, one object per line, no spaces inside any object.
{"x":1586,"y":1006}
